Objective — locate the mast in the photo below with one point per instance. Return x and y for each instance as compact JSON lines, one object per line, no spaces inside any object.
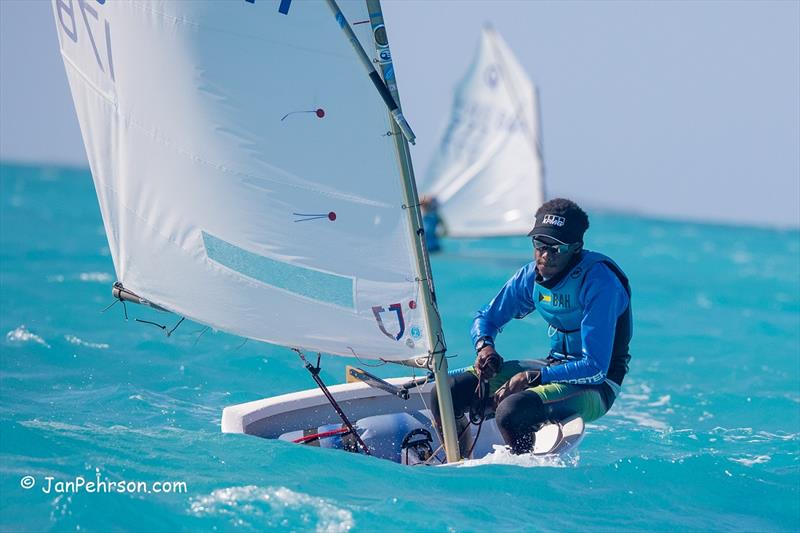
{"x":391,"y":101}
{"x":411,"y":201}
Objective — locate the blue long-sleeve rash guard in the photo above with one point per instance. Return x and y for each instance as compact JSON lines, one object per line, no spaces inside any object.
{"x":603,"y":300}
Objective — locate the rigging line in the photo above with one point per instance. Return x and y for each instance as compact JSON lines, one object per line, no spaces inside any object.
{"x":425,"y":405}
{"x":242,"y":344}
{"x":475,"y":440}
{"x":426,"y":265}
{"x":434,"y":456}
{"x":441,"y":447}
{"x":482,"y":391}
{"x":370,"y":365}
{"x":438,"y":348}
{"x":319,"y":112}
{"x":331,"y":215}
{"x":202,"y":332}
{"x":429,"y":362}
{"x":164,"y":328}
{"x":461,"y":434}
{"x":442,"y":349}
{"x":315,"y":376}
{"x":115,"y":302}
{"x":435,"y":427}
{"x":170,"y":332}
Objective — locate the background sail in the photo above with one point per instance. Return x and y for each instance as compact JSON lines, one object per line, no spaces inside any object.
{"x":243,"y":170}
{"x":488,"y":174}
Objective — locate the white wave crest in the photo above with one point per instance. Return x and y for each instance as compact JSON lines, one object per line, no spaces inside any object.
{"x":642,"y":419}
{"x":72,"y":339}
{"x":703,"y":301}
{"x":751,"y":460}
{"x":748,"y":435}
{"x":269,"y":506}
{"x":502,"y":456}
{"x":741,"y":257}
{"x":662,"y":400}
{"x":635,"y":404}
{"x":99,"y":277}
{"x":21,"y":334}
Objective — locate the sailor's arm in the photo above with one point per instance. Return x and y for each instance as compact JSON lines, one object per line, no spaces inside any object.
{"x":604,"y":299}
{"x":515,"y":300}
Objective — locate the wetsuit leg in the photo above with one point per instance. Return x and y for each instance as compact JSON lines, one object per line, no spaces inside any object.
{"x":462,"y":387}
{"x":522,"y":414}
{"x":518,"y":417}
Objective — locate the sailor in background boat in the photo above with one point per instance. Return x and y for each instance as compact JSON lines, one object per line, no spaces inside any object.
{"x":585,"y":299}
{"x":432,"y":223}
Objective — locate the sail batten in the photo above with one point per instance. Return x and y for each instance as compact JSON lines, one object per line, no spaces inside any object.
{"x":243,"y":170}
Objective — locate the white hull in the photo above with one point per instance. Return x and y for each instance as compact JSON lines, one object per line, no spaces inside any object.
{"x":271,"y":417}
{"x":382,"y":419}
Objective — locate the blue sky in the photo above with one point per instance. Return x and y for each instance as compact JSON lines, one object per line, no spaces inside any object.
{"x":678,"y":109}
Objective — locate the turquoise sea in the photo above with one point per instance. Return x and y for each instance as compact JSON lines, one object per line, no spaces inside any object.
{"x":705,"y":435}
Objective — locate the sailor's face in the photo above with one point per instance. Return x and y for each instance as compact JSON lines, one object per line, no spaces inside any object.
{"x":551,"y":257}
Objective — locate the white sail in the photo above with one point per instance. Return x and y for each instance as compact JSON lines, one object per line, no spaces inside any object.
{"x":243,"y":169}
{"x":487,"y":174}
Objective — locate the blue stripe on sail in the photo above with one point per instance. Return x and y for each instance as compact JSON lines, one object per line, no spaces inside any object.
{"x":320,"y":286}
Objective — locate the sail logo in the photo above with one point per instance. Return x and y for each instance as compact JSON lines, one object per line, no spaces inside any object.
{"x":554,"y":220}
{"x":378,"y":310}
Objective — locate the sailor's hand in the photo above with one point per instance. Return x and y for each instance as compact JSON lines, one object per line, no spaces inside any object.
{"x":488,"y":363}
{"x":518,"y":383}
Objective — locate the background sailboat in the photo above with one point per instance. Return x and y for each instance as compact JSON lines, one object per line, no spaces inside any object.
{"x":487,"y":174}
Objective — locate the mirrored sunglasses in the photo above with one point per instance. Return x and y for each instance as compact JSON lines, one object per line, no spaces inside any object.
{"x":553,"y":249}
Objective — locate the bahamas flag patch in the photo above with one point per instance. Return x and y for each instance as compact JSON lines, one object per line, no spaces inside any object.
{"x":545,"y":297}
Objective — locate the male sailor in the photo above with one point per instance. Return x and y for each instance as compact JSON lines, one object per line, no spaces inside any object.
{"x":584,"y":297}
{"x":432,"y":223}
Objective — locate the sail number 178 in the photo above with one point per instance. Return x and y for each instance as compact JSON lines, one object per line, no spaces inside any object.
{"x":69,"y":24}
